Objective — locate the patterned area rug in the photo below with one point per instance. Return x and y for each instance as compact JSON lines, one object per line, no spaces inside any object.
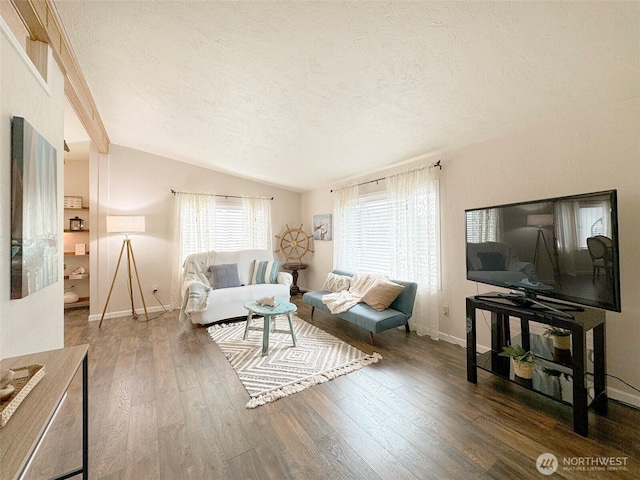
{"x":318,"y":358}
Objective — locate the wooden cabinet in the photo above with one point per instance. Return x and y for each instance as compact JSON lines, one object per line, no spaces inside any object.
{"x":20,"y":437}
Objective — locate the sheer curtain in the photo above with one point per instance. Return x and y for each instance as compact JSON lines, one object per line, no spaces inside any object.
{"x":415,"y":243}
{"x":194,"y":231}
{"x":257,"y":222}
{"x":566,"y":231}
{"x":412,"y":241}
{"x":485,"y":226}
{"x":345,"y":217}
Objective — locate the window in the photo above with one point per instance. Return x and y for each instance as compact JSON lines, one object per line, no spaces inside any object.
{"x":204,"y":222}
{"x":484,"y":226}
{"x":374,"y":234}
{"x":376,"y":237}
{"x":395,"y":232}
{"x":593,"y":219}
{"x":228,"y":226}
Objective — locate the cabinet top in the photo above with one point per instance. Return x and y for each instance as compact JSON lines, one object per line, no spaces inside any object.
{"x":582,"y":317}
{"x":20,"y":435}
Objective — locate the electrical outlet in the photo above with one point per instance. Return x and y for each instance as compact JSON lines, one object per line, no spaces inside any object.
{"x":445,"y":310}
{"x":155,"y":289}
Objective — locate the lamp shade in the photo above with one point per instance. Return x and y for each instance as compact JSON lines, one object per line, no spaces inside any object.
{"x":125,"y":224}
{"x":539,"y":220}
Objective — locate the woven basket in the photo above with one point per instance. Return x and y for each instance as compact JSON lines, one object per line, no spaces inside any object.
{"x":523,"y":370}
{"x":23,"y":386}
{"x":562,"y":343}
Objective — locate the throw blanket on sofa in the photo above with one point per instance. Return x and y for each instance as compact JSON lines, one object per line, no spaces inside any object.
{"x":195,"y":284}
{"x":342,"y":301}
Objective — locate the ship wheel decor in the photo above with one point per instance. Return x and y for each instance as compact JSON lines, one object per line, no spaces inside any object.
{"x":294,"y":243}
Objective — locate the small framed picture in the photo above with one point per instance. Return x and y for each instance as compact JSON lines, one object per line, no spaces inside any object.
{"x":322,"y":227}
{"x":72,"y":202}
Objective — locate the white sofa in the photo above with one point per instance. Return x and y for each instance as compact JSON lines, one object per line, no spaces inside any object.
{"x":502,"y":265}
{"x":204,"y":304}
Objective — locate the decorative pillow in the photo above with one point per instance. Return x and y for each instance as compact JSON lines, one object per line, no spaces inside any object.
{"x":336,"y":283}
{"x":265,"y":272}
{"x":491,"y":261}
{"x":382,"y":294}
{"x":224,"y":276}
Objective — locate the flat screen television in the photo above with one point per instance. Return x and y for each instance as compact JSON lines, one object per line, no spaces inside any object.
{"x":563,"y":248}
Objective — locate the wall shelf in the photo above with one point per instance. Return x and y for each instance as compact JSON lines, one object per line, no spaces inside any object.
{"x":82,"y":302}
{"x":77,"y":243}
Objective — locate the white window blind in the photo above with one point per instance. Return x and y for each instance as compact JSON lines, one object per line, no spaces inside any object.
{"x":374,"y":234}
{"x":375,"y":239}
{"x":228,"y":226}
{"x":483,"y":226}
{"x":205,"y":223}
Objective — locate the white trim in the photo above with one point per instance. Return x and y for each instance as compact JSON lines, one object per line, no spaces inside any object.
{"x":23,"y":54}
{"x":461,"y":342}
{"x":624,"y":397}
{"x":127,"y":313}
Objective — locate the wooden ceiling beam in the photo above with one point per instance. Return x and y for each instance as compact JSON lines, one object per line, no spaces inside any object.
{"x":44,"y":24}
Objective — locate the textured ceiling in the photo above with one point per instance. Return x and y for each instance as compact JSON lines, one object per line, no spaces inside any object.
{"x":305,"y":94}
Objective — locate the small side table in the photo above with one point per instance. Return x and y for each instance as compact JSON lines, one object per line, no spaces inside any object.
{"x":293,"y":268}
{"x":269,"y":314}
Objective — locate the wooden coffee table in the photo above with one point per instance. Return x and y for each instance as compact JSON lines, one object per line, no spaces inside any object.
{"x":269,"y":314}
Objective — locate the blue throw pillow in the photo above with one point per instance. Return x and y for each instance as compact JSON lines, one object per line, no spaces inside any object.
{"x":491,"y":261}
{"x":265,"y":272}
{"x":224,"y":276}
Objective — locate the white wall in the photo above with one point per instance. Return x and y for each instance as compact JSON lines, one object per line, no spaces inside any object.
{"x":138,"y":183}
{"x":596,"y":151}
{"x":316,"y":202}
{"x":34,"y":323}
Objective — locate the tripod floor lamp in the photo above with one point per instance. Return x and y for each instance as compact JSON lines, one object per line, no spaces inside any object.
{"x":126,"y":225}
{"x":542,"y":221}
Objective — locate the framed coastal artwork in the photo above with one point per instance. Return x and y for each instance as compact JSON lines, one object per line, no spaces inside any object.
{"x":322,"y":227}
{"x":34,"y":211}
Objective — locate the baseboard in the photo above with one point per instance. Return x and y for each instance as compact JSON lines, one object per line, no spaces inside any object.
{"x":127,"y":313}
{"x":613,"y":393}
{"x":624,"y":397}
{"x":461,"y":342}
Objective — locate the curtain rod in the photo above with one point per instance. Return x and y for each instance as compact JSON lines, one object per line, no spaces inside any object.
{"x":437,"y":164}
{"x":175,"y":192}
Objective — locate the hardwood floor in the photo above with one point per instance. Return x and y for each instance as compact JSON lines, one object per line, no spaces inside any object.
{"x":165,"y":403}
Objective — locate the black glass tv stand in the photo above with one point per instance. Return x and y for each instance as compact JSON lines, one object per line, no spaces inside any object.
{"x":583,"y":376}
{"x":531,"y":301}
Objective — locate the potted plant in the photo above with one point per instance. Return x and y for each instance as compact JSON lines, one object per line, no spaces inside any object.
{"x":561,"y":337}
{"x":521,"y":359}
